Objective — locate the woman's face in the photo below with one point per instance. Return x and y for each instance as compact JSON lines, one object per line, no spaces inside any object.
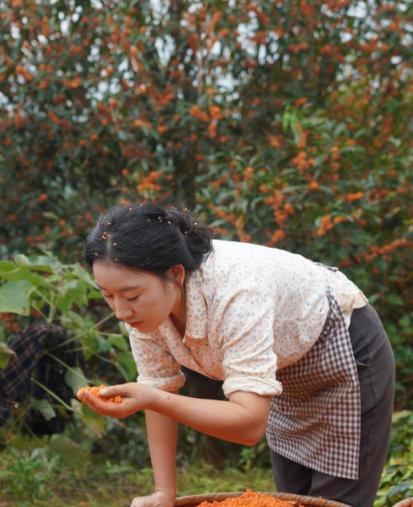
{"x":141,"y":299}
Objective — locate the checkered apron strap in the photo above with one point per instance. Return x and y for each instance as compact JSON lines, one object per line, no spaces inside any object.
{"x":316,"y":420}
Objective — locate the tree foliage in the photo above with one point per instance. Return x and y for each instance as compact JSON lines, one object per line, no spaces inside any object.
{"x":286,"y":122}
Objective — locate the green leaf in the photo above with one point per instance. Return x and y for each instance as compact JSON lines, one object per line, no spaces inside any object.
{"x":15,"y":297}
{"x":84,"y":275}
{"x":119,"y":341}
{"x":90,"y":344}
{"x":45,"y":408}
{"x":73,"y":320}
{"x":394,"y":300}
{"x":6,"y":267}
{"x":71,"y":293}
{"x":93,"y":421}
{"x":122,"y":328}
{"x":21,"y":260}
{"x":12,"y":272}
{"x":5,"y":355}
{"x":126,"y":365}
{"x":46,"y":262}
{"x":398,"y":489}
{"x":75,"y":379}
{"x":103,"y":344}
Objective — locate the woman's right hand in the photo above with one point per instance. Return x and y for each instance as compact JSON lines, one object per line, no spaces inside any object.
{"x":157,"y":499}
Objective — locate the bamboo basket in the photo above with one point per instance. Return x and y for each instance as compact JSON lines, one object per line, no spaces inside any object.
{"x":306,"y":501}
{"x":405,"y":503}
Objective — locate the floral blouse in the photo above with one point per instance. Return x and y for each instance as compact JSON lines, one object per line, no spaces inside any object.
{"x":251,"y":310}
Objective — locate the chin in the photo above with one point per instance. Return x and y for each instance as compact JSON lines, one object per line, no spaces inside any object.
{"x":145,"y":327}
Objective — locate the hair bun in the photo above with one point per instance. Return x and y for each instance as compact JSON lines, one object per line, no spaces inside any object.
{"x":197,"y":236}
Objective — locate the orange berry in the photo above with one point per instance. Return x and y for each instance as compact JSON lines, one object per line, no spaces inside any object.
{"x":96,"y":390}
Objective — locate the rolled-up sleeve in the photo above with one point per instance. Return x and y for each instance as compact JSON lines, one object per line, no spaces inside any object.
{"x":156,"y":366}
{"x":247,"y":337}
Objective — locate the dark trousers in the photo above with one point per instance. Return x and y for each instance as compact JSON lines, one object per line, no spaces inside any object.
{"x":375,"y":366}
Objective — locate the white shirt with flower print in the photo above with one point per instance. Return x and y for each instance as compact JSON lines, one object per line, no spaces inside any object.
{"x":251,"y":310}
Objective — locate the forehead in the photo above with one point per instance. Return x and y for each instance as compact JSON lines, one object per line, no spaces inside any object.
{"x":113,"y":277}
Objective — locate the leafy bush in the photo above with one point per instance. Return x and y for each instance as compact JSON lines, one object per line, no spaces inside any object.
{"x":284,"y":123}
{"x":42,"y":289}
{"x":397,"y":479}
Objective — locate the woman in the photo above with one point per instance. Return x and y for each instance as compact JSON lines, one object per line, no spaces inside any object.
{"x":303,"y":356}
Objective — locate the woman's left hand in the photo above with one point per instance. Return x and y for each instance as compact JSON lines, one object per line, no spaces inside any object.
{"x":135,"y":397}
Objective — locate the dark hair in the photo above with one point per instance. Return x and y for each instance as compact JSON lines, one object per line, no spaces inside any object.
{"x":149,"y":237}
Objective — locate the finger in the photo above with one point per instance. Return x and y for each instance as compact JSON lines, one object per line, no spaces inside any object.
{"x":93,"y":402}
{"x":116,"y":390}
{"x":85,"y":398}
{"x":89,"y":400}
{"x":79,"y":394}
{"x":118,"y":410}
{"x":141,"y":501}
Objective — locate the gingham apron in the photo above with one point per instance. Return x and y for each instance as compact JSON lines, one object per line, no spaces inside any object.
{"x":316,"y":420}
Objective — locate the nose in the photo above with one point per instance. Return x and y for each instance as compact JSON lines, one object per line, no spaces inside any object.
{"x":122,"y":309}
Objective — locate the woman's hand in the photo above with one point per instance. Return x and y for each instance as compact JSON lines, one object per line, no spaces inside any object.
{"x":135,"y":397}
{"x":157,"y":499}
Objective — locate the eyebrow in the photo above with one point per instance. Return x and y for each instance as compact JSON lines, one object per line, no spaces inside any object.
{"x":124,"y":289}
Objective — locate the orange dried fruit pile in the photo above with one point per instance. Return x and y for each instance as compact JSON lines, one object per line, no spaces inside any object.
{"x":96,"y":392}
{"x":251,"y":499}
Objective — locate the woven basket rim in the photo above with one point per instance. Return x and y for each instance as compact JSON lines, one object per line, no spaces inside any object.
{"x":182,"y":501}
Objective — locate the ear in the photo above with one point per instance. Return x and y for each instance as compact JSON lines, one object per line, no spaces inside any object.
{"x":178,"y":273}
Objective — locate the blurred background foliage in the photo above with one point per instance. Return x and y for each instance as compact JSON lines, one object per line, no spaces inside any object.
{"x":287,"y":123}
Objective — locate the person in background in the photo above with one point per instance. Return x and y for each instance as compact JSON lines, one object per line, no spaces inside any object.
{"x":303,"y":356}
{"x":35,"y":348}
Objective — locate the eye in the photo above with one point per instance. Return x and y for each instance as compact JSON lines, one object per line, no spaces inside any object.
{"x":107,"y":296}
{"x":132,"y":299}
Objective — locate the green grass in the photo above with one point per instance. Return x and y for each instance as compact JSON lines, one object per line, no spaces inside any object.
{"x":56,"y":471}
{"x":30,"y":479}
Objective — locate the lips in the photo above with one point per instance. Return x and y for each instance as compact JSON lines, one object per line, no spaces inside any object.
{"x":134,"y":324}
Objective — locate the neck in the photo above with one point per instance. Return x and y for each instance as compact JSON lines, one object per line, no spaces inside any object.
{"x":178,"y":315}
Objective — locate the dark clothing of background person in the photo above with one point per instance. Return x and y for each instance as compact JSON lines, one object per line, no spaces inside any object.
{"x":31,"y":361}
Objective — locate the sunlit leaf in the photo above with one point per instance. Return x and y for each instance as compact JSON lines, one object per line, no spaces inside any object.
{"x":5,"y":355}
{"x":119,"y":342}
{"x":93,"y":421}
{"x":126,"y":365}
{"x":44,"y":407}
{"x":15,"y":297}
{"x":75,"y":378}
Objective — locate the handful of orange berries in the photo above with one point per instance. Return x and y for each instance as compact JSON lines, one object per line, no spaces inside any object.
{"x":96,"y":392}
